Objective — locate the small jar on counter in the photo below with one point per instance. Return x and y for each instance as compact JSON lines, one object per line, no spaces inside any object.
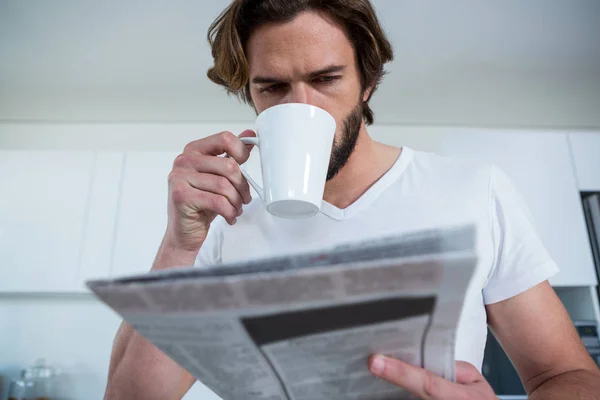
{"x":36,"y":383}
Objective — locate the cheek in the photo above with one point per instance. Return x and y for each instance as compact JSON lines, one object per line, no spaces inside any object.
{"x":341,"y":115}
{"x":339,"y":129}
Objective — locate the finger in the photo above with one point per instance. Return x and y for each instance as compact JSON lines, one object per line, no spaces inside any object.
{"x":467,"y":373}
{"x":224,"y":142}
{"x":416,"y":380}
{"x":202,"y":201}
{"x":217,"y":204}
{"x":216,"y":184}
{"x":248,"y":133}
{"x":223,"y":166}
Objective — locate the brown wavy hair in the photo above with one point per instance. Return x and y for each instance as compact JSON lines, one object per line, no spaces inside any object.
{"x":229,"y":33}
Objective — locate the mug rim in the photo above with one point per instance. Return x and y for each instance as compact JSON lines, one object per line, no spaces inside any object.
{"x":297,"y":105}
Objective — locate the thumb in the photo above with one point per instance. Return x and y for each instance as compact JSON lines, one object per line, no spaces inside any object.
{"x":248,"y":133}
{"x":467,"y":373}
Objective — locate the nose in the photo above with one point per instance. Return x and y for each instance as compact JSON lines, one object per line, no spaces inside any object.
{"x":298,"y":93}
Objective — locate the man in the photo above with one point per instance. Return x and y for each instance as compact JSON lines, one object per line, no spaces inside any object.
{"x":330,"y":53}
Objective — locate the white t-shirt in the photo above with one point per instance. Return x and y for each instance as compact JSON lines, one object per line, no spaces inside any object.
{"x":421,"y":190}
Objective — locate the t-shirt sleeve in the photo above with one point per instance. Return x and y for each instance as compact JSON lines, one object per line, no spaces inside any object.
{"x":520,"y":259}
{"x":210,"y":252}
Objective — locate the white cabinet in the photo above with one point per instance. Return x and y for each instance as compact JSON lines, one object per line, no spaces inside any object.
{"x":539,"y":165}
{"x":142,"y":215}
{"x":43,"y":207}
{"x":70,"y":216}
{"x":99,"y":233}
{"x":585,"y":148}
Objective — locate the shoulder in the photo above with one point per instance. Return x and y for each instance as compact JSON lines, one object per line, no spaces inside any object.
{"x":441,"y":163}
{"x":449,"y":172}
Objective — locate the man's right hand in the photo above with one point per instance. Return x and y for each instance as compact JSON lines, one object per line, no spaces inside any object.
{"x":203,"y":185}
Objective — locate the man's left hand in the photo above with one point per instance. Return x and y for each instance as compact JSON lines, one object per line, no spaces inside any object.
{"x":470,"y":384}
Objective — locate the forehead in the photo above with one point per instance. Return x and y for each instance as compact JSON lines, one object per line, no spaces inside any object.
{"x":309,"y":42}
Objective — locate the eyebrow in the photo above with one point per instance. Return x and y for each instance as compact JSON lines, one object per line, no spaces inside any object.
{"x":327,"y":70}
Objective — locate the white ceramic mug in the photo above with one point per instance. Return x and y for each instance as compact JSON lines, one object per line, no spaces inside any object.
{"x":295,"y":142}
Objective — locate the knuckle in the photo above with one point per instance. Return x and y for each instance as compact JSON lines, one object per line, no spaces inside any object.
{"x":219,"y":204}
{"x":179,"y":194}
{"x":173,"y":178}
{"x":188,"y":147}
{"x":237,"y":200}
{"x":213,"y":203}
{"x":430,"y":385}
{"x":222,"y":184}
{"x":231,"y":166}
{"x":227,"y":209}
{"x":227,"y":138}
{"x":180,"y":161}
{"x":225,"y":205}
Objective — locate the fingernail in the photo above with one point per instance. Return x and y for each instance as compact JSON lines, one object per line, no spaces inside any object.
{"x":377,"y":365}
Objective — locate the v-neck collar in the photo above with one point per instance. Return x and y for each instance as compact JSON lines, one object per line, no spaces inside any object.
{"x":373,"y":192}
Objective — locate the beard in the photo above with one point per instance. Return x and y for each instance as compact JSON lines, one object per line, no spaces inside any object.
{"x":343,"y":148}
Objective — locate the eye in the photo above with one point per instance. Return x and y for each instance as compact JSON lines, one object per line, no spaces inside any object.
{"x":272,"y":88}
{"x":326,"y":79}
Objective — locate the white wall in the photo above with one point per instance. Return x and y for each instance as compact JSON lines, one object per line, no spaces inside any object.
{"x":493,"y":63}
{"x":75,"y":332}
{"x":109,"y":136}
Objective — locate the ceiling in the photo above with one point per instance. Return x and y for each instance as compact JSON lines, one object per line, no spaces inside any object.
{"x":456,"y":61}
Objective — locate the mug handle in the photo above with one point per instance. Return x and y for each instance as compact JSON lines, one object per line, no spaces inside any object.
{"x":259,"y":190}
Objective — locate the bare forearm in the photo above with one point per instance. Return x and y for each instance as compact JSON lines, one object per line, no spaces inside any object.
{"x":170,"y":256}
{"x":137,"y":368}
{"x":576,"y":385}
{"x":144,"y":372}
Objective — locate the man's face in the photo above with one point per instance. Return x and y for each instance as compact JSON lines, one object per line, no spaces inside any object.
{"x":309,"y":60}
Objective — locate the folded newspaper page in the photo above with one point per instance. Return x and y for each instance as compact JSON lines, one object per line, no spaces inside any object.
{"x":301,"y":327}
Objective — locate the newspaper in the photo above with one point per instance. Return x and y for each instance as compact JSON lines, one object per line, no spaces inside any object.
{"x":301,"y":327}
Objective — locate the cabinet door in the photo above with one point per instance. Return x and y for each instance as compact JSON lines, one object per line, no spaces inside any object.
{"x":43,"y":205}
{"x":97,"y":252}
{"x":142,"y":215}
{"x":539,"y":165}
{"x":585,"y":148}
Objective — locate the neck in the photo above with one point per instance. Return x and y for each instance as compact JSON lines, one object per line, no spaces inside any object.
{"x":369,"y":161}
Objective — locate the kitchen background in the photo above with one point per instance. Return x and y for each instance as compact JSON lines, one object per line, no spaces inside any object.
{"x":97,"y":98}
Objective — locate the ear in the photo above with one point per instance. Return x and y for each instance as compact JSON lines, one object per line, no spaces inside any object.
{"x":367,"y":93}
